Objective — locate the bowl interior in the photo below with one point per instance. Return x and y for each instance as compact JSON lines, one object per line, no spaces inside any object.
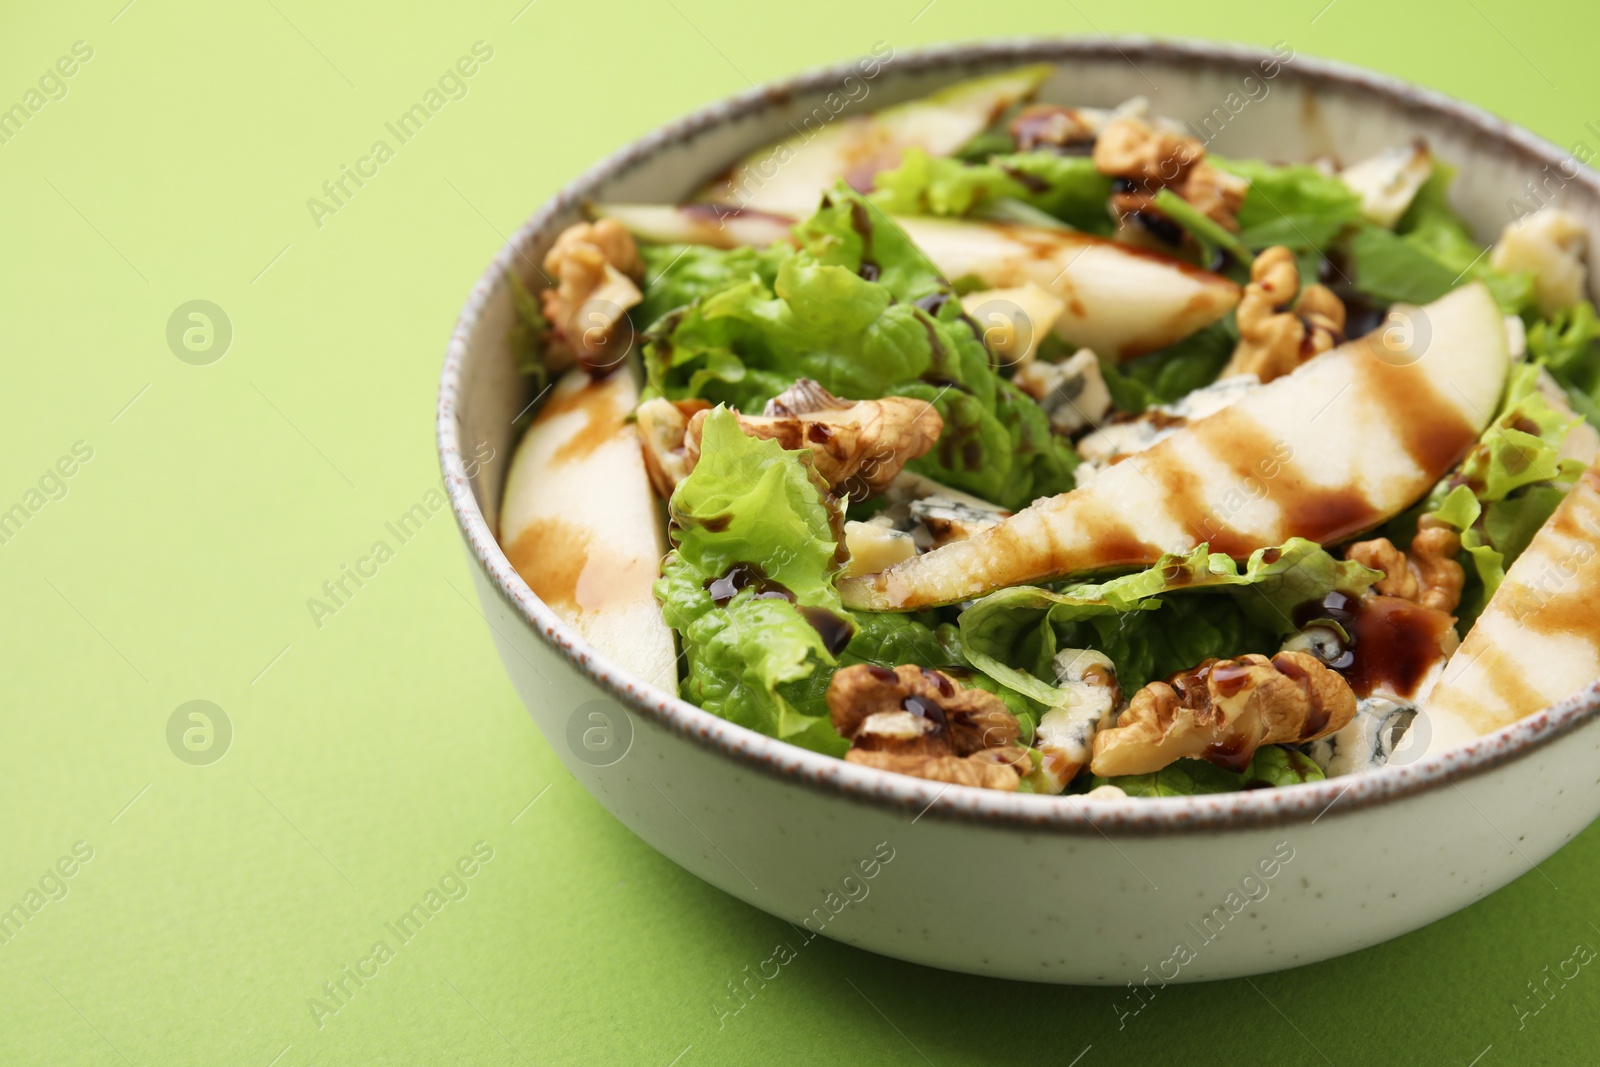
{"x":1272,"y":104}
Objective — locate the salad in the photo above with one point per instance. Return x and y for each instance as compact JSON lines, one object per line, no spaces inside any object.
{"x":1037,"y":448}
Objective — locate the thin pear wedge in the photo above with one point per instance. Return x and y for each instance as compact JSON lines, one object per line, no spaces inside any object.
{"x":1348,"y":440}
{"x":580,"y":524}
{"x":830,"y":143}
{"x":1538,"y":640}
{"x":1120,"y":301}
{"x":717,"y":225}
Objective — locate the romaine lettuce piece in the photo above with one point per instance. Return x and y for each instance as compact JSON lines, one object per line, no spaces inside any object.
{"x":749,"y":586}
{"x":1430,"y":252}
{"x":1298,"y":206}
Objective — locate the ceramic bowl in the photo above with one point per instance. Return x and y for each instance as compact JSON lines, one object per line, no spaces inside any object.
{"x":1055,"y":889}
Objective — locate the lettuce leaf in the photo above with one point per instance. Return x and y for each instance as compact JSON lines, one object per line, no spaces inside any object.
{"x":1207,"y":232}
{"x":754,"y":555}
{"x":1298,"y":206}
{"x":1508,"y":484}
{"x":860,"y":309}
{"x":529,"y":335}
{"x":1566,"y":343}
{"x":1154,"y":622}
{"x":1067,"y":188}
{"x":676,"y":275}
{"x":1169,"y":374}
{"x":1430,"y":252}
{"x":1274,"y":766}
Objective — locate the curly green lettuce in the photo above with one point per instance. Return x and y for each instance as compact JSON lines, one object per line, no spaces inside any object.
{"x":749,"y":586}
{"x":678,"y":275}
{"x":861,"y":310}
{"x":1069,"y":189}
{"x":1155,"y":622}
{"x":1569,"y":346}
{"x":1507,"y":486}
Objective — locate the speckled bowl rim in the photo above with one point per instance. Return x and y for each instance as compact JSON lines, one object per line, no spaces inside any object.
{"x":1062,"y":814}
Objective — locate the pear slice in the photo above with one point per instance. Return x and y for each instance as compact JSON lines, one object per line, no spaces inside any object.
{"x":1348,"y":440}
{"x":717,"y":225}
{"x":1119,"y":301}
{"x":789,"y":176}
{"x":1538,"y":640}
{"x":580,"y":524}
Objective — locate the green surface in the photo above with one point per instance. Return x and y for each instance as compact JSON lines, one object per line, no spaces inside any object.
{"x":371,"y":752}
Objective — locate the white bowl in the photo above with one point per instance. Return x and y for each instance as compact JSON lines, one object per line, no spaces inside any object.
{"x":1056,"y":889}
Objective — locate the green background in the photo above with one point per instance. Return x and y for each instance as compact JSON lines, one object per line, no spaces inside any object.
{"x":370,"y":753}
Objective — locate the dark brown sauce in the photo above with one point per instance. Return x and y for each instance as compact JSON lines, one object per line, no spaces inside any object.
{"x":1328,"y":515}
{"x":1429,"y":424}
{"x":604,"y":419}
{"x":1031,"y":182}
{"x":1395,"y":642}
{"x":939,"y":682}
{"x":741,"y":576}
{"x":1231,"y":754}
{"x":1185,"y":498}
{"x":836,"y":631}
{"x":1336,"y":606}
{"x":861,"y":222}
{"x":1229,"y":678}
{"x":931,"y":710}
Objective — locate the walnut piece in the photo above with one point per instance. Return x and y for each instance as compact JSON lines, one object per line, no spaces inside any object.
{"x":1131,"y":148}
{"x":1281,"y":324}
{"x":1429,"y":576}
{"x":920,"y":722}
{"x":1051,"y":127}
{"x":1146,"y":159}
{"x":1217,"y":194}
{"x":857,"y":446}
{"x":595,"y":266}
{"x":1222,"y":711}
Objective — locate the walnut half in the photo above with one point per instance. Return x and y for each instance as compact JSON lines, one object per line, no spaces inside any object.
{"x":1222,"y":711}
{"x":920,"y":722}
{"x":1281,"y":324}
{"x":1430,"y":576}
{"x":595,"y":266}
{"x":857,"y":446}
